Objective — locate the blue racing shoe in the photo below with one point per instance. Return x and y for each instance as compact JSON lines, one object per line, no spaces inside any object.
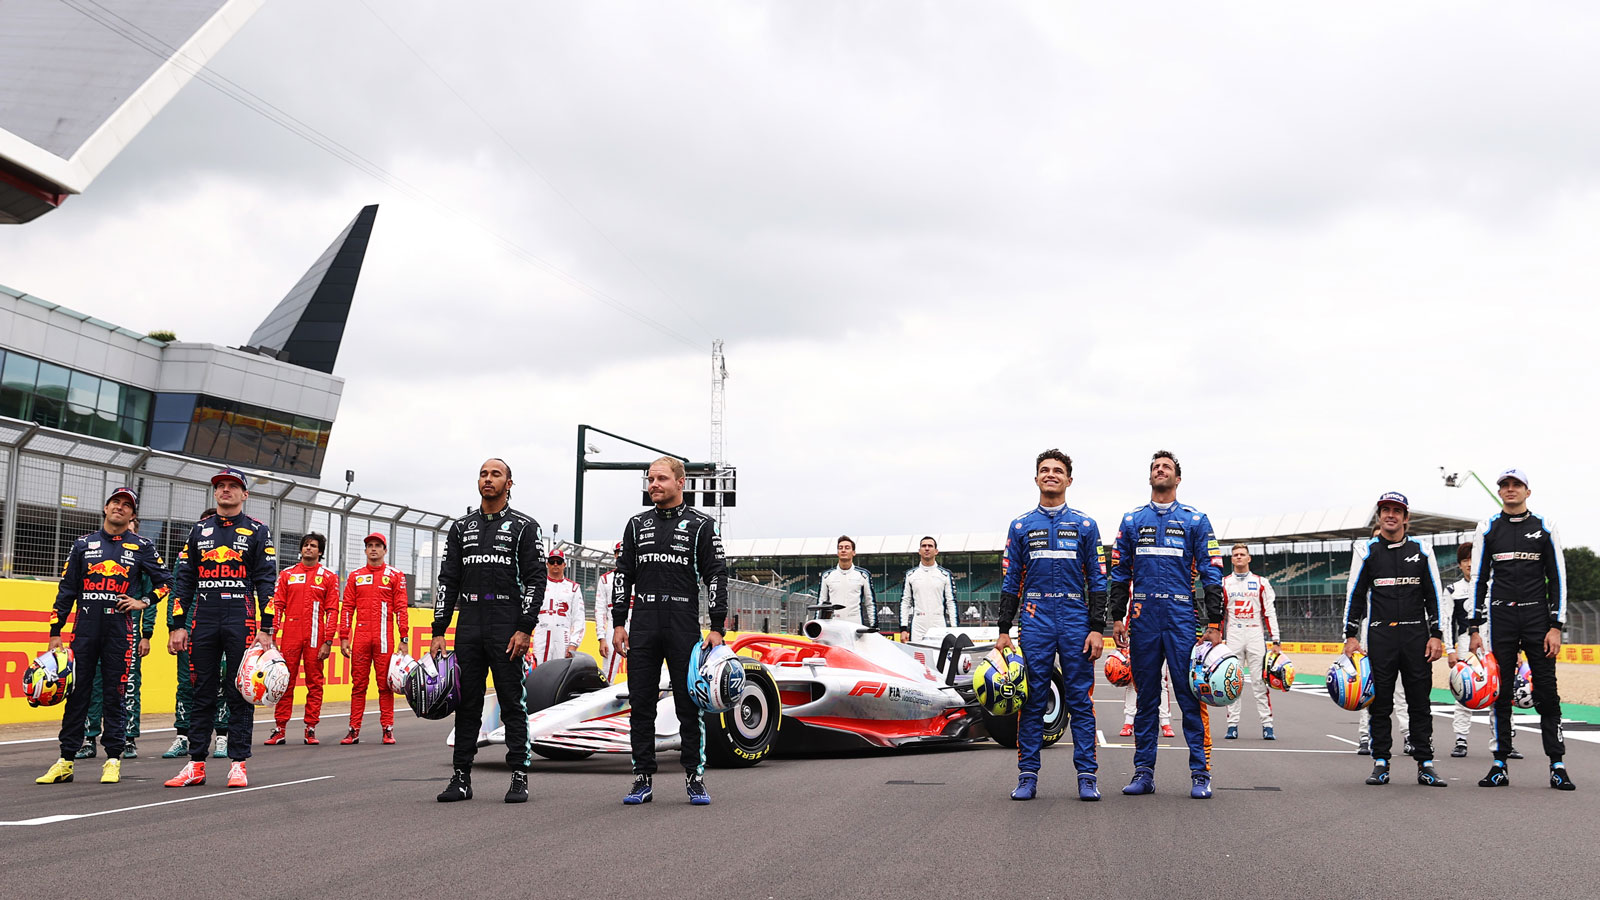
{"x":696,"y":786}
{"x":1088,"y":786}
{"x":1201,"y":789}
{"x":1267,"y":734}
{"x":1027,"y":786}
{"x":1429,"y":776}
{"x":1233,"y":733}
{"x":1559,"y":779}
{"x":1144,"y":781}
{"x":640,"y":792}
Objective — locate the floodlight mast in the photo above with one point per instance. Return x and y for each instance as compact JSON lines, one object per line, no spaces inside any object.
{"x":585,"y":448}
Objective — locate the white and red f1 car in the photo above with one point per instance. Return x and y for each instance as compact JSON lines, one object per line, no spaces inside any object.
{"x":839,"y":687}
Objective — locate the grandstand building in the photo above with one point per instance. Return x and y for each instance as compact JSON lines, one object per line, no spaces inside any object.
{"x":1306,"y":556}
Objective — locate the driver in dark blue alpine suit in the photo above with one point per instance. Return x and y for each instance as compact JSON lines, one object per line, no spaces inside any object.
{"x":1160,"y":549}
{"x":1056,"y":578}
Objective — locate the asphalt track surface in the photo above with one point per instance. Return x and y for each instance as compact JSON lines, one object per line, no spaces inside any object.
{"x":1290,"y":818}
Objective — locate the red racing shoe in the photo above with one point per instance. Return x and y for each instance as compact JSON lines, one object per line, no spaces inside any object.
{"x":311,"y":735}
{"x":1127,"y":730}
{"x":1166,"y":731}
{"x":276,"y":737}
{"x":351,"y":737}
{"x":236,"y":775}
{"x":388,"y":734}
{"x":193,"y":773}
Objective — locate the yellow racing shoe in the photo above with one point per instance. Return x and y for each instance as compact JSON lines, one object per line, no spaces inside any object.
{"x":61,"y":771}
{"x":111,"y":772}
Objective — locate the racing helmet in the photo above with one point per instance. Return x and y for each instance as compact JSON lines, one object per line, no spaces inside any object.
{"x":48,"y":679}
{"x":1475,"y":682}
{"x":1350,"y":681}
{"x":1522,"y":693}
{"x":263,"y":676}
{"x":1001,"y":681}
{"x":1118,"y":672}
{"x":433,"y":687}
{"x":1278,"y":670}
{"x":400,"y":665}
{"x":718,"y":678}
{"x":1215,"y":674}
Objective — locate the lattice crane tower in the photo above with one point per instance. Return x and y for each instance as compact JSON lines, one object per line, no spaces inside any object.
{"x":719,"y":376}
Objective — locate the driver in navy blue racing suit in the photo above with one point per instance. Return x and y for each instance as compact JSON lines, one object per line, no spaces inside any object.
{"x":1056,"y":578}
{"x":1160,"y":549}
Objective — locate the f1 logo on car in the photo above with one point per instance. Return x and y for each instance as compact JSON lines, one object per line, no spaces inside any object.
{"x":868,"y":688}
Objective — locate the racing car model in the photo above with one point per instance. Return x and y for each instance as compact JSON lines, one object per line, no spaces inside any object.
{"x":840,"y":686}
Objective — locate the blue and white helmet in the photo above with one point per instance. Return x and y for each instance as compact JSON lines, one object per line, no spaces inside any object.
{"x":1215,"y":674}
{"x":717,"y":678}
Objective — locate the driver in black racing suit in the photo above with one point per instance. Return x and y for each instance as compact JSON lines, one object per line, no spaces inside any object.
{"x":665,"y":553}
{"x":494,"y":568}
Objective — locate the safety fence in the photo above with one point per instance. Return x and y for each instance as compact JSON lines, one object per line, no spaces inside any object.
{"x":55,"y":484}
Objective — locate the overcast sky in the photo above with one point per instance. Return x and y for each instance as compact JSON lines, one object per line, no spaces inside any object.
{"x":1317,"y":252}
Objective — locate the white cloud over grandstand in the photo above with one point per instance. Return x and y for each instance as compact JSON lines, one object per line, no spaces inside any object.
{"x":1318,"y":254}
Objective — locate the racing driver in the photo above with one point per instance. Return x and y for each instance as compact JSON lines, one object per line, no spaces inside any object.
{"x":375,"y":598}
{"x":562,"y":625}
{"x":225,"y":578}
{"x":1056,"y":575}
{"x":665,"y":551}
{"x":102,"y":573}
{"x":1160,"y":548}
{"x":306,"y":607}
{"x":493,"y":569}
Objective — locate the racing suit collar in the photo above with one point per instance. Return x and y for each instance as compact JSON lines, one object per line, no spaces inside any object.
{"x":671,"y":512}
{"x":1053,"y":510}
{"x":1163,"y":508}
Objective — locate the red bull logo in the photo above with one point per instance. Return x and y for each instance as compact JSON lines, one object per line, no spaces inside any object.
{"x":221,"y":555}
{"x":109,"y":568}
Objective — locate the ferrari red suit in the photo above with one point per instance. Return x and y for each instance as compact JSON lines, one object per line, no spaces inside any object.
{"x":306,"y":608}
{"x":375,"y":597}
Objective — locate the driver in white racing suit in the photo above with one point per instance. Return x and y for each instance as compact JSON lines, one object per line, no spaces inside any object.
{"x":613,"y":664}
{"x":1249,"y":607}
{"x":929,"y":597}
{"x":562,"y":623}
{"x":849,"y":585}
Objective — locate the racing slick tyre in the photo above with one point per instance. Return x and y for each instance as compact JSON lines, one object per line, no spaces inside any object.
{"x":1003,"y":729}
{"x":744,"y":735}
{"x":558,"y":681}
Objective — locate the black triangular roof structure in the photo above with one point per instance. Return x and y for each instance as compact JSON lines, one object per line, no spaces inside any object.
{"x":306,"y":326}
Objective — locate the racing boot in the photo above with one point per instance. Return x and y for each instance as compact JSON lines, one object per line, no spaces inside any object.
{"x":276,"y":737}
{"x":1144,"y":781}
{"x":130,"y":750}
{"x":518,"y":792}
{"x":311,"y":735}
{"x":640,"y":792}
{"x":1201,"y":788}
{"x":1088,"y":786}
{"x":1499,"y":775}
{"x":1513,"y":754}
{"x":1127,"y":730}
{"x":1559,"y":779}
{"x":388,"y":734}
{"x":1364,"y":748}
{"x":111,"y":772}
{"x":1428,"y":775}
{"x":180,"y":747}
{"x":1461,"y":748}
{"x":1233,"y":733}
{"x":61,"y":771}
{"x":192,"y":773}
{"x":87,"y":751}
{"x":351,"y":737}
{"x":1267,"y":734}
{"x":1166,"y":730}
{"x":1027,"y":786}
{"x":236,"y":775}
{"x":696,"y":786}
{"x":1380,"y":772}
{"x":220,"y":751}
{"x":1410,"y":747}
{"x":459,"y":788}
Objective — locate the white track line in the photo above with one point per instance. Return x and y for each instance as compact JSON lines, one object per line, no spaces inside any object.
{"x":1345,"y":740}
{"x":51,"y":820}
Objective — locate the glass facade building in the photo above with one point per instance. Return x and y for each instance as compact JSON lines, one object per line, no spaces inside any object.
{"x":57,"y":397}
